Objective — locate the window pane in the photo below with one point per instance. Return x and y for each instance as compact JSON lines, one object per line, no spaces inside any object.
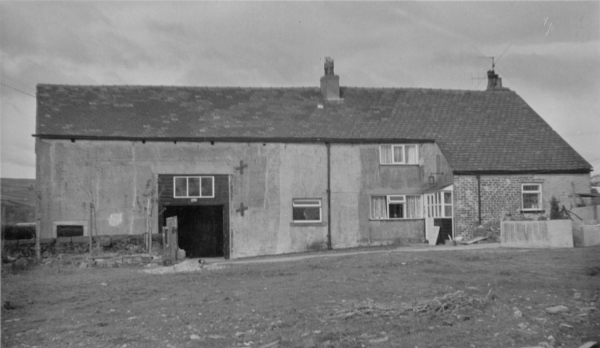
{"x":378,"y":207}
{"x":413,"y":207}
{"x":396,"y":210}
{"x":180,"y":187}
{"x":307,"y":202}
{"x":448,"y":197}
{"x":398,"y":154}
{"x":531,"y":187}
{"x":193,"y":187}
{"x":448,"y":211}
{"x":385,"y":154}
{"x":531,"y":201}
{"x":396,"y":198}
{"x":69,"y":231}
{"x":207,"y":187}
{"x":411,"y":154}
{"x":306,"y":214}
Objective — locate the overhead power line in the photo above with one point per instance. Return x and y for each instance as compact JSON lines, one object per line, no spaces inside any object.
{"x":18,"y":90}
{"x":580,"y":133}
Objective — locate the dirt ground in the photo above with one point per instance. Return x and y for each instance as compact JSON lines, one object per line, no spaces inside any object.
{"x":485,"y":298}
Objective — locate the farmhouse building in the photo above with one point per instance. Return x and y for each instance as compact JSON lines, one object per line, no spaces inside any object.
{"x":256,"y":171}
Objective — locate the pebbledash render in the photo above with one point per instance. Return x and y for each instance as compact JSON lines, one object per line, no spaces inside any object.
{"x":257,"y":171}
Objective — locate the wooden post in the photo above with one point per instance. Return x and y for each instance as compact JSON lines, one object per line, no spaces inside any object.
{"x":38,"y":245}
{"x":149,"y":225}
{"x":91,"y":228}
{"x":172,"y":238}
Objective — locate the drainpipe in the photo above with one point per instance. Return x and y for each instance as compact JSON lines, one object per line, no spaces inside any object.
{"x":329,"y":247}
{"x":479,"y":197}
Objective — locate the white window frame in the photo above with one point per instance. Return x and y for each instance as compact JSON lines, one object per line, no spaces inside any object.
{"x":187,"y":186}
{"x":395,"y":199}
{"x":434,"y":204}
{"x":382,"y":161}
{"x":307,"y":203}
{"x":538,"y":191}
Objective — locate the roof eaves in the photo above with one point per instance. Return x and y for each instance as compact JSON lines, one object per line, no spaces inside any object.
{"x":524,"y":171}
{"x":242,"y":139}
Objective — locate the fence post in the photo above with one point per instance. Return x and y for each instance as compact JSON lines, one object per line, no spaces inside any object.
{"x":38,"y":246}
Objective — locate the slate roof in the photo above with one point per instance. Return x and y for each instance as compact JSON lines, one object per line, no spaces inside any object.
{"x":478,"y":131}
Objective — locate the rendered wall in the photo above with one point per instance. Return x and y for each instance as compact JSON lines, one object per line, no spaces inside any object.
{"x":537,"y":234}
{"x":118,"y":177}
{"x":115,"y":177}
{"x":501,"y":195}
{"x":434,"y":166}
{"x":356,"y":175}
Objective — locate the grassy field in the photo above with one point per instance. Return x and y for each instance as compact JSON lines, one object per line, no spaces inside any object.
{"x":474,"y":298}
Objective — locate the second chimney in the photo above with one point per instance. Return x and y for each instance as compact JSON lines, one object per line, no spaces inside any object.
{"x":330,"y":83}
{"x":494,"y":81}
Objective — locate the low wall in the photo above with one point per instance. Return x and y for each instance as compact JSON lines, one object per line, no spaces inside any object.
{"x":123,"y":244}
{"x":587,"y":235}
{"x":537,"y":234}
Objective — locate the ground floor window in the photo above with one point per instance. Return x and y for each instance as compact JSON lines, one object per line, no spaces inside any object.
{"x":70,"y":228}
{"x":306,"y":209}
{"x":69,"y":231}
{"x":395,"y":207}
{"x":531,"y":197}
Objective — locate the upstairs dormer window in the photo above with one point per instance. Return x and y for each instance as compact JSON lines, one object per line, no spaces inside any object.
{"x":399,"y":154}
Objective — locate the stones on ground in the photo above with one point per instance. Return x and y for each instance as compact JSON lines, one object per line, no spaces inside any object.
{"x":522,"y":326}
{"x":590,"y":344}
{"x":557,"y":309}
{"x":309,"y":343}
{"x":565,"y":325}
{"x":194,"y":337}
{"x":270,"y":345}
{"x":379,"y":340}
{"x":577,"y":295}
{"x":517,"y":313}
{"x":215,"y":337}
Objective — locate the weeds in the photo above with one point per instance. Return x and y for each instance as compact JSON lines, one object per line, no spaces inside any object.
{"x":447,"y":304}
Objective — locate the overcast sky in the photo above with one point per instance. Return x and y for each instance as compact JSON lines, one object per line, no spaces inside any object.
{"x":548,"y":52}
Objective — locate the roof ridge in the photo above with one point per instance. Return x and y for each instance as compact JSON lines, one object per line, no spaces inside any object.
{"x":173,"y":86}
{"x":503,"y":89}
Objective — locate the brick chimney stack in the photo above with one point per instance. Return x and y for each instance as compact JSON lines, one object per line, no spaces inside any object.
{"x":330,"y":83}
{"x":494,"y":81}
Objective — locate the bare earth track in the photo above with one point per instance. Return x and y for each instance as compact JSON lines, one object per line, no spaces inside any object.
{"x":463,"y":298}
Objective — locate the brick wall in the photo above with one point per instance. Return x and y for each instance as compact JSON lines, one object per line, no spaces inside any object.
{"x":501,"y":195}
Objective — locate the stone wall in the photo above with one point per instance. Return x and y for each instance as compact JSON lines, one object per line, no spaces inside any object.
{"x":121,"y":244}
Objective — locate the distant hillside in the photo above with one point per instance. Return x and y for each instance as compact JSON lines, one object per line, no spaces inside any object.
{"x":18,"y":200}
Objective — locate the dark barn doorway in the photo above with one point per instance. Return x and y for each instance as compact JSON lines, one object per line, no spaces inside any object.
{"x":201,"y":232}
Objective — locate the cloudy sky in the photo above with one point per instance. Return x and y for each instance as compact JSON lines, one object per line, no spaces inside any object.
{"x":548,"y":52}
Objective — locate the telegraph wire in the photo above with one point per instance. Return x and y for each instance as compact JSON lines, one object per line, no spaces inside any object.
{"x":18,"y":90}
{"x":581,"y":133}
